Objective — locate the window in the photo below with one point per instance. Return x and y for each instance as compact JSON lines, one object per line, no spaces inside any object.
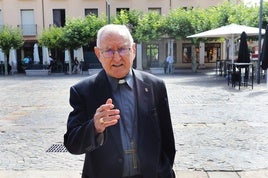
{"x":212,"y":52}
{"x":59,"y":17}
{"x":28,"y":25}
{"x":158,"y":10}
{"x":91,"y":12}
{"x":188,"y":8}
{"x":121,"y":9}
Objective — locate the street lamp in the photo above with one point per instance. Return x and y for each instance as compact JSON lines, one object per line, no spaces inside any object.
{"x":259,"y":45}
{"x":108,"y":13}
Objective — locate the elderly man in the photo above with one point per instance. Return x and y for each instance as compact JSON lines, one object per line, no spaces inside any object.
{"x":120,"y":117}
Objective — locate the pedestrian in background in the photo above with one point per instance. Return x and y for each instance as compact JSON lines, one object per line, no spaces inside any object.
{"x":165,"y":66}
{"x":120,"y":118}
{"x":76,"y":68}
{"x":170,"y":62}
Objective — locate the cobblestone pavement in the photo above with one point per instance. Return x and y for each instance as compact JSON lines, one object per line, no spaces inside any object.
{"x":217,"y":128}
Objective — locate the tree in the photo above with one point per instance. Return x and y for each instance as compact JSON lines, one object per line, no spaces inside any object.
{"x":76,"y":33}
{"x":228,"y":13}
{"x":92,"y":25}
{"x":10,"y":38}
{"x":130,"y":19}
{"x":52,"y":38}
{"x":149,"y":27}
{"x":177,"y":24}
{"x":265,"y":14}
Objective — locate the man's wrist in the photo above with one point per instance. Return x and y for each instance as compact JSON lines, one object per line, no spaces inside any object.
{"x":100,"y":138}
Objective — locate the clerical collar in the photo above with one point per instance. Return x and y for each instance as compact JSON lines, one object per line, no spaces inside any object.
{"x":122,"y":81}
{"x":128,"y":79}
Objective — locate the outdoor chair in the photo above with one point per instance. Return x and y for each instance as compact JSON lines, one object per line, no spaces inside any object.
{"x":235,"y":78}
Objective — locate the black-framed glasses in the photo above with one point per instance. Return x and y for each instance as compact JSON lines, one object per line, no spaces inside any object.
{"x":110,"y":53}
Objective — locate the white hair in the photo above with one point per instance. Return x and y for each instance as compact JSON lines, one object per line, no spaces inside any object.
{"x":121,"y":29}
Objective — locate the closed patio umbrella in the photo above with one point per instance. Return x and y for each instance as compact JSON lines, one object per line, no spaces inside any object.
{"x":243,"y":52}
{"x":67,"y":56}
{"x":243,"y":57}
{"x":36,"y":54}
{"x":13,"y":60}
{"x":79,"y":54}
{"x":2,"y":56}
{"x":264,"y":54}
{"x":45,"y":56}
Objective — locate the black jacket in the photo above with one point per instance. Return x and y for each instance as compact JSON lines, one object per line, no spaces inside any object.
{"x":156,"y":147}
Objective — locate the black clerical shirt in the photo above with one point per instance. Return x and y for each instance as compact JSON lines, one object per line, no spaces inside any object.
{"x":124,"y":99}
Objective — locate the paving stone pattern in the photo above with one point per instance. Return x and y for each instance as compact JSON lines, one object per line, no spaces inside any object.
{"x":217,"y":127}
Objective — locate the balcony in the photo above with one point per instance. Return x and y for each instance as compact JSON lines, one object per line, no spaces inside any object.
{"x":29,"y":29}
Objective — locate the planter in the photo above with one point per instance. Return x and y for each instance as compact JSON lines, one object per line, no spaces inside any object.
{"x":157,"y":70}
{"x":32,"y":72}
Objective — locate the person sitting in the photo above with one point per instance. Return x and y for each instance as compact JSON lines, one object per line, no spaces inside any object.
{"x":76,"y":68}
{"x":51,"y":62}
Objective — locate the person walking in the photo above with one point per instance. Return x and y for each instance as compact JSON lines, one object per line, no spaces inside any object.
{"x":120,"y":117}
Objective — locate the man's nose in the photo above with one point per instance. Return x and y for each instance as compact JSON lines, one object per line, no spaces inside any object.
{"x":116,"y":55}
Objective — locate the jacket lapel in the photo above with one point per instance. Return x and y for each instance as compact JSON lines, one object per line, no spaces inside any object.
{"x":144,"y":95}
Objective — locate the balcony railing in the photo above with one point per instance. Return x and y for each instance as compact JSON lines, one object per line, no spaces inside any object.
{"x":29,"y":30}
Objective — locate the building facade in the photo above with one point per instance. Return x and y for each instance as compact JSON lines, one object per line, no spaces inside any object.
{"x":32,"y":16}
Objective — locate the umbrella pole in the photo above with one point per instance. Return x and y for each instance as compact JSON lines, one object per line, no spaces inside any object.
{"x":233,"y":49}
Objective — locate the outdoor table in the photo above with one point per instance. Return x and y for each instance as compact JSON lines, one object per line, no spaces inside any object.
{"x":244,"y":77}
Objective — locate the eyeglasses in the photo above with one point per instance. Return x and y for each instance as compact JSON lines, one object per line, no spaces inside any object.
{"x":110,"y":53}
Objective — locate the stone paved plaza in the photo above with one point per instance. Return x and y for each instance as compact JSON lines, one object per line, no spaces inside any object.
{"x":217,"y":128}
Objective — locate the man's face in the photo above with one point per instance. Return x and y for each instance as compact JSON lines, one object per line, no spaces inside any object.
{"x":116,"y":54}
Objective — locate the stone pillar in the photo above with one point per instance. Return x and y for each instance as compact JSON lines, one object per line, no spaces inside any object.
{"x":171,"y":47}
{"x":202,"y":55}
{"x":139,"y":56}
{"x":194,"y":66}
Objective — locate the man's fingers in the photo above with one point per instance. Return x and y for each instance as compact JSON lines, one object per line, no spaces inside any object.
{"x":109,"y":101}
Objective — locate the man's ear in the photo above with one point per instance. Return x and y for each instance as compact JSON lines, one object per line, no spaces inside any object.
{"x":97,"y":52}
{"x":134,"y":48}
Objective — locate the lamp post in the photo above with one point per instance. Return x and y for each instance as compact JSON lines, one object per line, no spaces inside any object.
{"x":108,"y":13}
{"x":259,"y":44}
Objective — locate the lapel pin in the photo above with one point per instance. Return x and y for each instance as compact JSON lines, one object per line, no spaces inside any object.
{"x":146,"y":89}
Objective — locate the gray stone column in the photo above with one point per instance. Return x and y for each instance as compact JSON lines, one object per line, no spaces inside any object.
{"x":139,"y":57}
{"x":202,"y":55}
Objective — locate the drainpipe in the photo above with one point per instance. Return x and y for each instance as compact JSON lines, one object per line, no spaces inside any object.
{"x":108,"y":10}
{"x":43,"y":14}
